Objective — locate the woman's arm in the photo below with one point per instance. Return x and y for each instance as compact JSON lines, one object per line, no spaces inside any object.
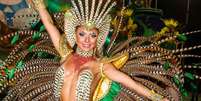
{"x":115,"y":75}
{"x":48,"y":22}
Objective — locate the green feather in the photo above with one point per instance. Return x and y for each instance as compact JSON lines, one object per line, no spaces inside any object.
{"x":166,"y":65}
{"x":193,"y":87}
{"x":114,"y":90}
{"x":31,"y":47}
{"x":20,"y":64}
{"x":107,"y":41}
{"x":57,"y":5}
{"x":176,"y":80}
{"x":15,"y":39}
{"x":182,"y":37}
{"x":42,"y":28}
{"x":10,"y":72}
{"x":36,"y":36}
{"x":183,"y":91}
{"x":42,"y":54}
{"x":189,"y":75}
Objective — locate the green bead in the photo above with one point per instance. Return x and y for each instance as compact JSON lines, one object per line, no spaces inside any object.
{"x":57,"y":58}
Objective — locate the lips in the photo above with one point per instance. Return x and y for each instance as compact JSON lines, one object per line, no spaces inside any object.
{"x":86,"y":45}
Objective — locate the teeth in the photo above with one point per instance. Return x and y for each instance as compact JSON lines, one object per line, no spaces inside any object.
{"x":86,"y":46}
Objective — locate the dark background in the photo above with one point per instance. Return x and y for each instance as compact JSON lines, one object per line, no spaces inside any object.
{"x":178,"y":9}
{"x":190,"y":18}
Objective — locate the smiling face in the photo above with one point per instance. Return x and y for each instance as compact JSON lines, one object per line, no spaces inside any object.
{"x":86,"y":39}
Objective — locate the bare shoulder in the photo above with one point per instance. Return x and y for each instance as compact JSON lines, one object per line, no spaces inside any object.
{"x":94,"y":67}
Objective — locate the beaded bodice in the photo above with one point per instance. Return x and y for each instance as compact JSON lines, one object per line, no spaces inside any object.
{"x":59,"y":79}
{"x":84,"y":79}
{"x":82,"y":88}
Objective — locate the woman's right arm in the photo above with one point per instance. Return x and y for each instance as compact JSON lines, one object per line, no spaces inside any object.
{"x":48,"y":22}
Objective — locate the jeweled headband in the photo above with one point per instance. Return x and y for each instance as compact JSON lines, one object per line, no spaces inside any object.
{"x":92,"y":14}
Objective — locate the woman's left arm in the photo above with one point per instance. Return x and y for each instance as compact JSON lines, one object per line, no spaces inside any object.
{"x":112,"y":73}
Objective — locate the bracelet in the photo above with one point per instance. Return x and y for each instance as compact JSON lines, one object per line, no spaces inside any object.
{"x":155,"y":97}
{"x":101,"y":70}
{"x":38,"y":4}
{"x":64,"y":48}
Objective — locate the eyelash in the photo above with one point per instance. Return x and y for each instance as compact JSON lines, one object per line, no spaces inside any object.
{"x":81,"y":34}
{"x":93,"y":35}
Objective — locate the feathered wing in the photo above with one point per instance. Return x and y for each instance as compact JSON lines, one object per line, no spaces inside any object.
{"x":157,"y":68}
{"x":30,"y":67}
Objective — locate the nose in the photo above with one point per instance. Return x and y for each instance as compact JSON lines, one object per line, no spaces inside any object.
{"x":87,"y":39}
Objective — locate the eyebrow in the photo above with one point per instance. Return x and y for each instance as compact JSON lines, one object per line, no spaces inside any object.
{"x":93,"y":33}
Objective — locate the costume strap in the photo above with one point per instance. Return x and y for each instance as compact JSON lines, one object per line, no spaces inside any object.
{"x":101,"y":70}
{"x":118,"y":60}
{"x":104,"y":84}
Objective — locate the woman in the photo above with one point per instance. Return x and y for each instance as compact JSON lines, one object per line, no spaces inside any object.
{"x":84,"y":73}
{"x":83,"y":61}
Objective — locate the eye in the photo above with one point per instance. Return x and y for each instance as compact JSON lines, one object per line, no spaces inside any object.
{"x":81,"y":33}
{"x":93,"y":35}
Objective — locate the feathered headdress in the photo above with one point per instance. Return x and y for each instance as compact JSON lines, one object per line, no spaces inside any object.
{"x":92,"y":14}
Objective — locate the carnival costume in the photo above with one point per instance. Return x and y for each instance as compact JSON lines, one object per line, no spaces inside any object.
{"x":38,"y":78}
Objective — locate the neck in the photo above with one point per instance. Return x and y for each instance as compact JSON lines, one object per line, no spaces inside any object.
{"x":84,"y":53}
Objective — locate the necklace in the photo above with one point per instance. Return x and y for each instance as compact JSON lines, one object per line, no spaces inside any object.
{"x":84,"y":53}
